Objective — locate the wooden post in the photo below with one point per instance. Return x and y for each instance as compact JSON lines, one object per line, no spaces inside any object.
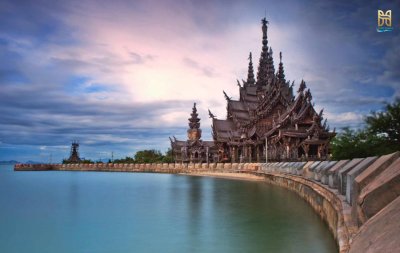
{"x":266,"y":150}
{"x":207,"y":154}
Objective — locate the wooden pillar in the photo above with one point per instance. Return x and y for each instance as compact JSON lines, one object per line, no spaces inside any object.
{"x":241,"y":154}
{"x":207,"y":154}
{"x":287,"y":151}
{"x":250,"y":153}
{"x":266,"y":149}
{"x":320,"y":148}
{"x":306,"y":148}
{"x":258,"y":153}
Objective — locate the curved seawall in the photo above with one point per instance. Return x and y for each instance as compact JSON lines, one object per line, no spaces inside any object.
{"x":327,"y":204}
{"x":354,"y":197}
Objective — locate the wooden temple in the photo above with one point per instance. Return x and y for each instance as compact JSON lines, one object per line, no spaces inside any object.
{"x":193,"y":149}
{"x":267,"y":121}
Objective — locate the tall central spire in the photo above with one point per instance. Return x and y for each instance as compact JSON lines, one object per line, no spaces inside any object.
{"x":262,"y":67}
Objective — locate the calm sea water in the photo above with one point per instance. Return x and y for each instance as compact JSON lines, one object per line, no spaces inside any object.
{"x":133,"y":212}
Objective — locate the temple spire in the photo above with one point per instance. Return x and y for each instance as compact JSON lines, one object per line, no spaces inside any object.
{"x":194,"y":121}
{"x":281,"y":72}
{"x":262,"y":66}
{"x":250,"y":73}
{"x":302,"y":87}
{"x":270,"y":66}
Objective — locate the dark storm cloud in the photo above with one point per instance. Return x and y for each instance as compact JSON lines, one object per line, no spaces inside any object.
{"x":49,"y":99}
{"x":38,"y":110}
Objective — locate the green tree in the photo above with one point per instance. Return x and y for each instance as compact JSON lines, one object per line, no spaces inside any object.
{"x":386,"y":124}
{"x":148,"y":156}
{"x":125,"y":160}
{"x":380,"y":136}
{"x":168,"y":157}
{"x":85,"y":161}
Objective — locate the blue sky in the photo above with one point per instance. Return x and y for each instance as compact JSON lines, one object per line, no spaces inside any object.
{"x":122,"y":76}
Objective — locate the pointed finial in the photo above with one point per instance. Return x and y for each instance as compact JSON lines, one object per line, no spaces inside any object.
{"x":264,"y":21}
{"x":226,"y":96}
{"x":324,"y":125}
{"x":270,"y":64}
{"x":262,"y":73}
{"x":302,"y":86}
{"x":211,"y":115}
{"x":321,"y":113}
{"x":281,"y":72}
{"x":238,"y":83}
{"x":250,"y":72}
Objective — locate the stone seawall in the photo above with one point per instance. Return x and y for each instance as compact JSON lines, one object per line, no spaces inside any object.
{"x":354,"y":197}
{"x":330,"y":207}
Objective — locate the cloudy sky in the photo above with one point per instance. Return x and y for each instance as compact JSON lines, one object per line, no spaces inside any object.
{"x":121,"y":76}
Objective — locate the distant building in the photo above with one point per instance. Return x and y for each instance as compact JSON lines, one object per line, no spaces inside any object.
{"x":193,"y":149}
{"x":74,"y":154}
{"x":267,"y":119}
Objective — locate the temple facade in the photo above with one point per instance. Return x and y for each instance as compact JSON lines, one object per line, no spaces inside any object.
{"x":268,"y":121}
{"x":193,"y":149}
